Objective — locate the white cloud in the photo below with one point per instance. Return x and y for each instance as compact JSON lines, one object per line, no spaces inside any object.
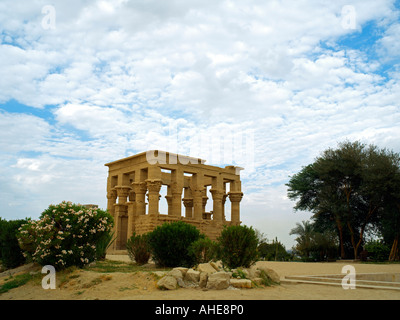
{"x":128,"y":76}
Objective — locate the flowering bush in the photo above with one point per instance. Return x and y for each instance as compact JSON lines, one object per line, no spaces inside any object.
{"x":65,"y":235}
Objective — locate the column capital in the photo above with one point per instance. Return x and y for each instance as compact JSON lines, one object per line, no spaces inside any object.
{"x":176,"y":188}
{"x":169,"y":199}
{"x":122,"y":191}
{"x":154,"y":185}
{"x":112,"y":194}
{"x":217,"y":194}
{"x":198,"y":193}
{"x":187,"y":202}
{"x":139,"y":187}
{"x":235,"y":196}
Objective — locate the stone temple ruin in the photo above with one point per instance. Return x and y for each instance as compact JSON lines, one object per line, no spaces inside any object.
{"x":131,"y":179}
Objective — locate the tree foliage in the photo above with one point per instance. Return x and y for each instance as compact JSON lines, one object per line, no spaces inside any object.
{"x":352,"y":186}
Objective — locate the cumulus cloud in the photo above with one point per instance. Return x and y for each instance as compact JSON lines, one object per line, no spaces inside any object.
{"x":265,"y":85}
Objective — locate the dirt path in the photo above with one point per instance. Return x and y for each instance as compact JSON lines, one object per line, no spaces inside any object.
{"x":85,"y":284}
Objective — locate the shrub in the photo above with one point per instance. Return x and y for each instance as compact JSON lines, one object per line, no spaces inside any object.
{"x":10,"y":252}
{"x":170,"y":244}
{"x":66,"y":235}
{"x":377,"y":250}
{"x":138,"y":248}
{"x":237,"y":246}
{"x":203,"y":250}
{"x":103,"y":244}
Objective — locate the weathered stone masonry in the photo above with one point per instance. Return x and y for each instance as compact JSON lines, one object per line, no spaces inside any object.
{"x":133,"y":180}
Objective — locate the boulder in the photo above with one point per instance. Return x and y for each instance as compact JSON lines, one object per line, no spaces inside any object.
{"x":203,"y":279}
{"x":256,"y":271}
{"x":216,"y":265}
{"x":206,"y":267}
{"x":182,"y":269}
{"x":167,"y":282}
{"x":175,"y":273}
{"x":240,"y":283}
{"x":192,"y":276}
{"x":270,"y":273}
{"x":218,"y":280}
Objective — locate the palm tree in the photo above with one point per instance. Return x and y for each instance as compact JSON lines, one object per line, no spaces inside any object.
{"x":305,"y":237}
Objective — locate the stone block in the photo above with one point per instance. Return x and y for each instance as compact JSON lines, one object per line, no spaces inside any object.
{"x":175,"y":273}
{"x":218,"y":280}
{"x":206,"y":267}
{"x":192,"y":276}
{"x":203,"y":279}
{"x":240,"y":283}
{"x":216,"y":265}
{"x":167,"y":282}
{"x":182,"y":269}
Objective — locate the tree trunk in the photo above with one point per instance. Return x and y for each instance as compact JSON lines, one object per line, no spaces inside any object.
{"x":353,"y":243}
{"x":394,"y":252}
{"x":340,"y":228}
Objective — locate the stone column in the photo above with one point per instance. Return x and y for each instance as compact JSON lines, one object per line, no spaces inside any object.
{"x":204,"y":200}
{"x":111,"y":200}
{"x":121,"y":210}
{"x":168,"y":197}
{"x":176,"y":190}
{"x":198,"y":204}
{"x":223,"y":206}
{"x":197,"y":192}
{"x":140,"y":189}
{"x":217,"y":195}
{"x":188,"y":203}
{"x":131,"y":213}
{"x":235,"y":197}
{"x":154,"y":186}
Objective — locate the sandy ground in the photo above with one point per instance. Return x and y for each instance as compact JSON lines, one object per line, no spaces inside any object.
{"x":89,"y":285}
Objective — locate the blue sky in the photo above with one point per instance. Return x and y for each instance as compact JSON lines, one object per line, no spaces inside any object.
{"x":264,"y":85}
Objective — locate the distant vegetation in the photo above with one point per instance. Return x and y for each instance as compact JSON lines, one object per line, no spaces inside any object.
{"x":354,"y":193}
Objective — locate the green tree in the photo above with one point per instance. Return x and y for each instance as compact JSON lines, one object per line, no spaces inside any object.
{"x":312,"y":244}
{"x":273,"y":251}
{"x":349,"y":185}
{"x":304,"y":239}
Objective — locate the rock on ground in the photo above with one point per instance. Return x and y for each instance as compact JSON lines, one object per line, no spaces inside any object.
{"x":167,"y":282}
{"x":218,"y":280}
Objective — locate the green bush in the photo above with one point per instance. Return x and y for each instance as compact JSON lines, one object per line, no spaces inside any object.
{"x":103,"y":244}
{"x":237,"y":246}
{"x":377,"y":250}
{"x":170,"y":244}
{"x":66,"y":235}
{"x":138,"y":248}
{"x":10,"y":253}
{"x":203,"y":250}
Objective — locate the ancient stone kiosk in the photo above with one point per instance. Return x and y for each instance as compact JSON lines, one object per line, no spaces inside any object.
{"x":133,"y":180}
